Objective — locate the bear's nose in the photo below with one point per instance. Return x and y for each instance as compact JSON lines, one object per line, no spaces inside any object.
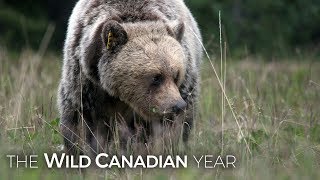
{"x":179,"y":107}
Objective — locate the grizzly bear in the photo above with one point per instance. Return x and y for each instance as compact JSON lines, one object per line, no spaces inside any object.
{"x":130,"y":74}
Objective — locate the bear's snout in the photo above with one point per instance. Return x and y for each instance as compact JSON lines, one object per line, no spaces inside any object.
{"x":179,"y":107}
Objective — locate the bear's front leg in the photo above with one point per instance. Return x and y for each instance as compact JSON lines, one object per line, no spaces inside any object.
{"x":191,"y":96}
{"x":69,"y":130}
{"x":187,"y":125}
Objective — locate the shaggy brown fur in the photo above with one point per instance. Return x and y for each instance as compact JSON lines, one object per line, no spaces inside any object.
{"x":131,"y":71}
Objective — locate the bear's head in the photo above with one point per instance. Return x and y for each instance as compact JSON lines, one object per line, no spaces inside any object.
{"x":142,"y":64}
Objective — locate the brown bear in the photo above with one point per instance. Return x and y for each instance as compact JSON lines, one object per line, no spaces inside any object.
{"x":130,"y":71}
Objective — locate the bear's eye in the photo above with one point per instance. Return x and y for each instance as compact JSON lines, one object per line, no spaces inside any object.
{"x":157,"y":80}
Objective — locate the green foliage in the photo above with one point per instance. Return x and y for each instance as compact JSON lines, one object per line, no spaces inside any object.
{"x":20,"y":30}
{"x":257,"y":137}
{"x":54,"y":127}
{"x":268,"y":27}
{"x":315,"y":133}
{"x":265,"y":27}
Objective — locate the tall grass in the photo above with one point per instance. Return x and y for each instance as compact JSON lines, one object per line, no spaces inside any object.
{"x":277,"y":105}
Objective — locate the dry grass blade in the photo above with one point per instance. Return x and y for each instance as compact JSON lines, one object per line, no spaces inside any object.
{"x":223,"y":90}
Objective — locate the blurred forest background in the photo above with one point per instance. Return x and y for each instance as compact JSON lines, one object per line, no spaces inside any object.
{"x":266,"y":27}
{"x":270,"y":120}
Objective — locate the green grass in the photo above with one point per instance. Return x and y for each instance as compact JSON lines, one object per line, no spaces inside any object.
{"x":277,"y":105}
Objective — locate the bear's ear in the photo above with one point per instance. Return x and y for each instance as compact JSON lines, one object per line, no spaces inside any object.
{"x":90,"y":51}
{"x":176,"y":29}
{"x":113,"y":36}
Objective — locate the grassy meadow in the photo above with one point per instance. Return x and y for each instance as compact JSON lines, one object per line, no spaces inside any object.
{"x":270,"y":122}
